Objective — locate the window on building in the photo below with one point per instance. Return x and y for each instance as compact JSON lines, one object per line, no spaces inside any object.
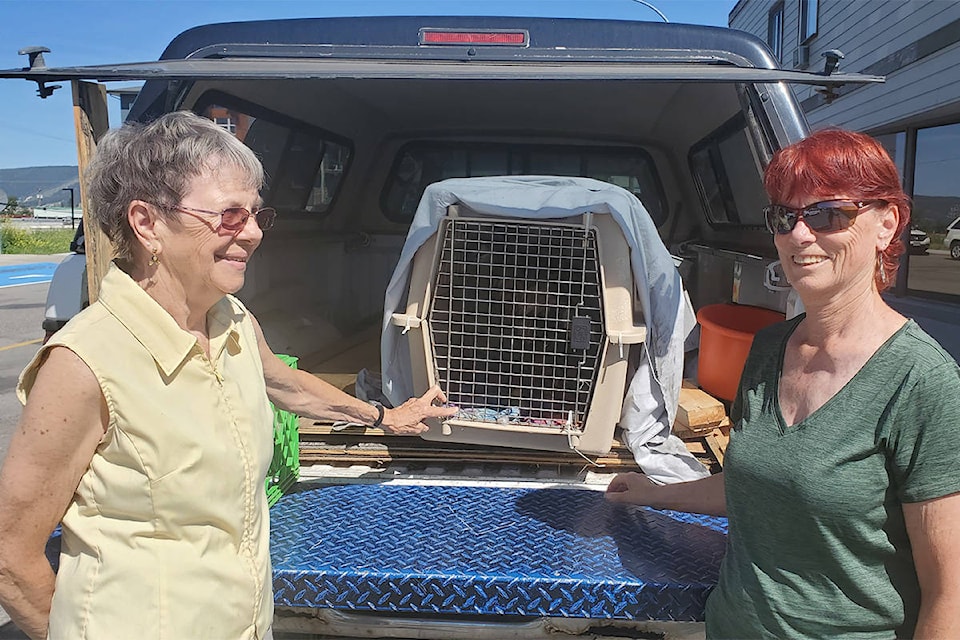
{"x":936,"y":206}
{"x":775,"y":30}
{"x":808,"y":19}
{"x":895,"y":144}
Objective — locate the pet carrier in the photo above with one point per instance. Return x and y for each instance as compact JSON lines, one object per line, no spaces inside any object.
{"x":526,"y":326}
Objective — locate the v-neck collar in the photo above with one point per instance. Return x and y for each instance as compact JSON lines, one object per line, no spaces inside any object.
{"x":782,"y":425}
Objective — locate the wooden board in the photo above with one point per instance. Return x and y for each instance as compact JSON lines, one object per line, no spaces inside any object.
{"x":699,"y":415}
{"x":91,"y":122}
{"x":324,"y":444}
{"x":717,"y":441}
{"x":699,"y":431}
{"x":698,"y":410}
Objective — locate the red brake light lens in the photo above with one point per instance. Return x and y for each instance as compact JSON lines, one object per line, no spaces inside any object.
{"x":511,"y":38}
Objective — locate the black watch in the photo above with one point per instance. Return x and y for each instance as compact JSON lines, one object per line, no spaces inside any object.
{"x":379,"y":420}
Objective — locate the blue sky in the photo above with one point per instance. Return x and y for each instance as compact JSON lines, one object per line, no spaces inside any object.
{"x":35,"y":132}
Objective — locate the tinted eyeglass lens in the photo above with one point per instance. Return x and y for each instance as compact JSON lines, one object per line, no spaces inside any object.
{"x":822,"y":216}
{"x":834,"y":218}
{"x":235,"y":217}
{"x":779,"y":219}
{"x":265,"y":218}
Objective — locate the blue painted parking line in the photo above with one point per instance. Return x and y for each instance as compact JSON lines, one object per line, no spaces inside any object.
{"x":17,"y":275}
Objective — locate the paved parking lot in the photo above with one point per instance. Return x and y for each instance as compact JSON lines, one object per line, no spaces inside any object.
{"x":21,"y":307}
{"x":935,"y":271}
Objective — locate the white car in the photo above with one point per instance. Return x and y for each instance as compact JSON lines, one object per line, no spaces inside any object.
{"x":919,"y":241}
{"x":952,"y":240}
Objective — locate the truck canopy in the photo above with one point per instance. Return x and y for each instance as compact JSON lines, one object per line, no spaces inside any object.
{"x":358,"y":48}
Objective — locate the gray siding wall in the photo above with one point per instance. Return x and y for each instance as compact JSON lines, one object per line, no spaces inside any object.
{"x":751,"y":16}
{"x":869,"y":32}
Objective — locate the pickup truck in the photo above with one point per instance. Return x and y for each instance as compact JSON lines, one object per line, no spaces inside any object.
{"x":354,"y":119}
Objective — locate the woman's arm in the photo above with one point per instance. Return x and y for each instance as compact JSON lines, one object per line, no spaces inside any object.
{"x":307,"y":395}
{"x":932,"y":526}
{"x":58,"y":433}
{"x":706,"y":495}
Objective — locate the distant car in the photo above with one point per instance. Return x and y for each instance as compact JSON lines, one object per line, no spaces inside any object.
{"x":952,"y":239}
{"x":919,"y":241}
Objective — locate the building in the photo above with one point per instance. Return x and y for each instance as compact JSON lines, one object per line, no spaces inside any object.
{"x":915,"y":44}
{"x":59,"y":213}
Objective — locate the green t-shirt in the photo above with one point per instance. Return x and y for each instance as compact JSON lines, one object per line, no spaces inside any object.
{"x":817,"y":544}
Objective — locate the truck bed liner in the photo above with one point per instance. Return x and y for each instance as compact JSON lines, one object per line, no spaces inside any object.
{"x":435,"y":550}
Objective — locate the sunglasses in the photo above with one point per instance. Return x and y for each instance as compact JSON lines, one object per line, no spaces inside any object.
{"x":826,"y":217}
{"x":234,"y":218}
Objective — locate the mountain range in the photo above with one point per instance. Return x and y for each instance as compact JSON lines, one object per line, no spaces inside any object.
{"x":39,"y":186}
{"x":934,"y":213}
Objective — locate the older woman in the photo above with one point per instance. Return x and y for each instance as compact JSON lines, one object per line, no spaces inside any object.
{"x":843,"y":470}
{"x":147,"y":431}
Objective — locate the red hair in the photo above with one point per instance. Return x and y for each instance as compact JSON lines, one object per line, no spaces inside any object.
{"x":833,"y":162}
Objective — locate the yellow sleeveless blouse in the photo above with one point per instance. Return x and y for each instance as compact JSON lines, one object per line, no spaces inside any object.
{"x":167,"y":535}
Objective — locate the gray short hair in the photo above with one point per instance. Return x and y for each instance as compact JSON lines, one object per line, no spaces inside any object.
{"x":155,"y":163}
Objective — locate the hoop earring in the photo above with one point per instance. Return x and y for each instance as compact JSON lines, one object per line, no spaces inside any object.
{"x":883,"y":272}
{"x":154,"y":259}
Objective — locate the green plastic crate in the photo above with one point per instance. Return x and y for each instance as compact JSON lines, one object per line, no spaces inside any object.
{"x":285,"y":466}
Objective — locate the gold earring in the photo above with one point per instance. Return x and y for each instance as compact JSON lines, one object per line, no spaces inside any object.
{"x":154,"y":259}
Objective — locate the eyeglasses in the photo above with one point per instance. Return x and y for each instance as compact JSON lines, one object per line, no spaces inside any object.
{"x":234,"y":218}
{"x":826,"y":217}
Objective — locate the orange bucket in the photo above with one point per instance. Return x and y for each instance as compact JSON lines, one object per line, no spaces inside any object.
{"x":726,"y":333}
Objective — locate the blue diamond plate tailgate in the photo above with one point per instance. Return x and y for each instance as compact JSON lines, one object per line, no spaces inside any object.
{"x":487,"y":550}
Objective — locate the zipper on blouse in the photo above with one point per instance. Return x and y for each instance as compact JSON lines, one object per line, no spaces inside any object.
{"x":213,"y":367}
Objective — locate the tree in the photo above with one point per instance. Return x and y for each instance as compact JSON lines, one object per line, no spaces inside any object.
{"x":12,"y":205}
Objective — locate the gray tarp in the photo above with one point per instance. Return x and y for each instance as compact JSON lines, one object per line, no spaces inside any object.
{"x":651,"y":403}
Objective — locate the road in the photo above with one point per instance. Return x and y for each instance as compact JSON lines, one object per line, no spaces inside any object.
{"x":21,"y":310}
{"x":935,"y":272}
{"x":23,"y":293}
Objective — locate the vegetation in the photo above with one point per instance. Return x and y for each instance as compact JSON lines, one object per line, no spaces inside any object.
{"x":12,"y":209}
{"x":16,"y":239}
{"x":936,"y":240}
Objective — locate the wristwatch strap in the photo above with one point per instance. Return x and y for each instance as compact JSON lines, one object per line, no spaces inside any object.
{"x":379,"y":420}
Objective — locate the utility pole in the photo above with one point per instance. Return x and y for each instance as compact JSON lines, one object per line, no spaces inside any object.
{"x":70,"y":189}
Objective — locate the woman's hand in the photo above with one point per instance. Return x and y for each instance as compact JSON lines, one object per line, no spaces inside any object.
{"x":408,"y":417}
{"x":631,"y":488}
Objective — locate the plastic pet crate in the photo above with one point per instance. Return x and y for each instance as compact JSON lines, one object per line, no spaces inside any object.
{"x":526,"y":325}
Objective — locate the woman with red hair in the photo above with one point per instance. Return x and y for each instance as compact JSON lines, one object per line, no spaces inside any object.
{"x":842,"y":477}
